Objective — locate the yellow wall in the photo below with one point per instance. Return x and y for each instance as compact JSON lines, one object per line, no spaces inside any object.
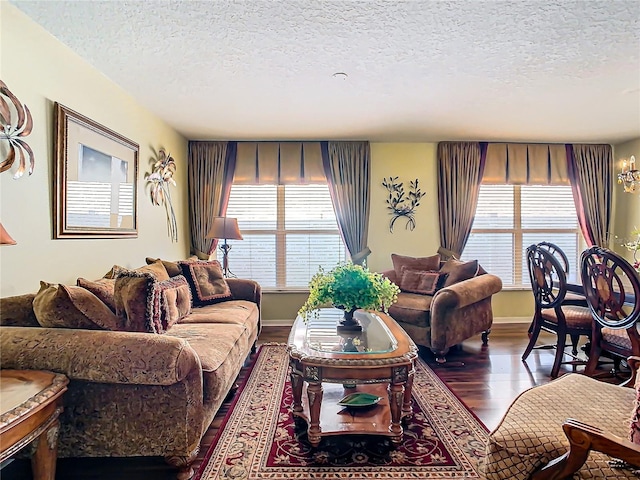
{"x":40,"y":70}
{"x":626,"y":205}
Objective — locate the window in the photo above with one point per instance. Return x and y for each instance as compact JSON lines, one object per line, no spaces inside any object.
{"x":288,"y":231}
{"x":509,"y":218}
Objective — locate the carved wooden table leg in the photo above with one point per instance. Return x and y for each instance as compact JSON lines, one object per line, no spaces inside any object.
{"x":396,"y":399}
{"x":314,"y":392}
{"x":407,"y":406}
{"x":43,"y":461}
{"x":296,"y":389}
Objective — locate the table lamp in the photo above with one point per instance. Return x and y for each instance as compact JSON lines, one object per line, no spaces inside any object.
{"x":225,"y":228}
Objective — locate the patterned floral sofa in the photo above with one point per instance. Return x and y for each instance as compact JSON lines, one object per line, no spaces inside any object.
{"x":146,"y":377}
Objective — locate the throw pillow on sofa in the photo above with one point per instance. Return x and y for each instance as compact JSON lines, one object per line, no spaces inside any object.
{"x":173,"y":269}
{"x":206,"y":281}
{"x":423,"y":282}
{"x":458,"y":270}
{"x":173,"y":299}
{"x":146,"y":305}
{"x":157,"y":269}
{"x":102,"y":288}
{"x":135,"y":301}
{"x":61,"y":306}
{"x":413,"y":263}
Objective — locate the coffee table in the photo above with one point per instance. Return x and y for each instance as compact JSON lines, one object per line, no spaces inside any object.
{"x":326,"y":365}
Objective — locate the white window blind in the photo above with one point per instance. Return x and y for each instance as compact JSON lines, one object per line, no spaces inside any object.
{"x":288,"y":232}
{"x":509,"y":218}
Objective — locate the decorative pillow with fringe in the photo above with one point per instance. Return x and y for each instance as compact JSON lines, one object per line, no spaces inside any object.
{"x":172,"y":301}
{"x":206,"y":281}
{"x":135,"y":300}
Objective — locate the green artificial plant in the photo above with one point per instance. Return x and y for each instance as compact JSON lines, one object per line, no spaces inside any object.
{"x":349,"y":286}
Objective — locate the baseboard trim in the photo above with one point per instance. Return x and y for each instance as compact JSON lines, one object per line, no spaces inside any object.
{"x":511,"y":319}
{"x":276,"y":322}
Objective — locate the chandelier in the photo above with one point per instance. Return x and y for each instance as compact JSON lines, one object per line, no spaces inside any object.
{"x":629,"y":177}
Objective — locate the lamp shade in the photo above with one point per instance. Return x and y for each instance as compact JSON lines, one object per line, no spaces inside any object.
{"x":5,"y":238}
{"x":224,"y":227}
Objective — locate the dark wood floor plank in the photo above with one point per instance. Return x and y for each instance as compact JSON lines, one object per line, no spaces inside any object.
{"x":492,"y":376}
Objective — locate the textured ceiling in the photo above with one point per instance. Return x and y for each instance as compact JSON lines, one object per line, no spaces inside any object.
{"x":419,"y":70}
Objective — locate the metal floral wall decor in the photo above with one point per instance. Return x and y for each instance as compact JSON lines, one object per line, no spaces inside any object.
{"x":16,"y":123}
{"x":164,"y":166}
{"x":402,"y":204}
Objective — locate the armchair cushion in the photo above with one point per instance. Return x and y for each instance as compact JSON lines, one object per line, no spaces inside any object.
{"x":412,"y":308}
{"x":457,"y":271}
{"x":422,"y":263}
{"x":418,"y":281}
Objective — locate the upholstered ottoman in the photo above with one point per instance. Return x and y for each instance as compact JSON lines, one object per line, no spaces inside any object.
{"x":530,"y":433}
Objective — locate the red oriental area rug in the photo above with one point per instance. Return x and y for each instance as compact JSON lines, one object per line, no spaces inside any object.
{"x":259,"y":438}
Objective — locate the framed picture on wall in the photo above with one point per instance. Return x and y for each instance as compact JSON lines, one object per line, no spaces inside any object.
{"x":96,"y":175}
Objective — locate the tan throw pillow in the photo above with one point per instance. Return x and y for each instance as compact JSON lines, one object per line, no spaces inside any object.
{"x":135,"y":301}
{"x":102,"y":288}
{"x":173,"y":269}
{"x":423,"y":282}
{"x":413,"y":263}
{"x":206,"y":281}
{"x":173,"y":299}
{"x":458,"y":270}
{"x":61,"y":306}
{"x":157,"y":269}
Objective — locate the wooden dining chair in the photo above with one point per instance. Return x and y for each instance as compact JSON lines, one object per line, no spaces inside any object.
{"x":574,"y":295}
{"x":549,"y":288}
{"x":612,"y":288}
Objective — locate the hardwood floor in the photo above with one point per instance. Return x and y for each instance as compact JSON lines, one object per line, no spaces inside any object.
{"x":492,"y":376}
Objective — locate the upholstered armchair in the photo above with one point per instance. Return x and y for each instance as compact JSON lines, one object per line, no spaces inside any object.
{"x":441,"y":304}
{"x":572,"y":425}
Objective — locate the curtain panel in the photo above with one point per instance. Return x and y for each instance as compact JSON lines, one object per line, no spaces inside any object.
{"x":210,"y":174}
{"x":347,"y":166}
{"x":460,"y":169}
{"x":279,"y":163}
{"x":590,"y":171}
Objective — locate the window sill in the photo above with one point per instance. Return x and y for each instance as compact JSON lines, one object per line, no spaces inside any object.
{"x":285,"y":290}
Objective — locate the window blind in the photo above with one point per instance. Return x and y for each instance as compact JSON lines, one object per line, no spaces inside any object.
{"x":510,"y":218}
{"x":288,"y":231}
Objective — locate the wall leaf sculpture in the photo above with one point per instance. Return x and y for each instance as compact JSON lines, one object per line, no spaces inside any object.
{"x":16,"y":122}
{"x":164,"y":166}
{"x":402,"y":204}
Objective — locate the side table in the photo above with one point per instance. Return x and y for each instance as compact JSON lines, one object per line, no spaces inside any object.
{"x":30,"y":404}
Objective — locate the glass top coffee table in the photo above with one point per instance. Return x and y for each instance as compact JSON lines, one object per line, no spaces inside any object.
{"x":328,"y":366}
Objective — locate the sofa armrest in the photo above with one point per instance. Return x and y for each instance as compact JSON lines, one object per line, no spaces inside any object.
{"x":243,"y":289}
{"x":467,"y":292}
{"x":98,"y":355}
